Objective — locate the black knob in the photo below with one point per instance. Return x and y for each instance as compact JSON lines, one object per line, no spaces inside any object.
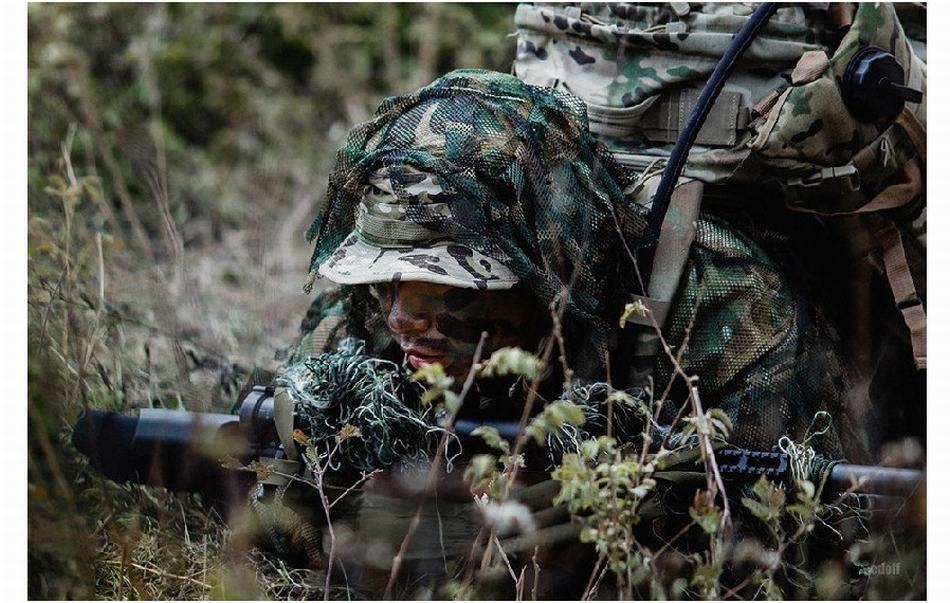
{"x":873,"y":86}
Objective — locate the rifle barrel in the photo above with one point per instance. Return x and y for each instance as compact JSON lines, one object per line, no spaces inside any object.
{"x":886,"y":481}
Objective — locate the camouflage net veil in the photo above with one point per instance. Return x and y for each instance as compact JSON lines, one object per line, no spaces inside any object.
{"x":527,"y":185}
{"x":765,"y":353}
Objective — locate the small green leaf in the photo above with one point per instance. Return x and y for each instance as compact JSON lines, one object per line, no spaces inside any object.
{"x":512,"y":361}
{"x":481,"y":471}
{"x":453,"y":401}
{"x":554,"y":416}
{"x":491,"y":437}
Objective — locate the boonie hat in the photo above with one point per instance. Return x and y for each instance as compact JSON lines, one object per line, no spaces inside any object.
{"x":396,"y":240}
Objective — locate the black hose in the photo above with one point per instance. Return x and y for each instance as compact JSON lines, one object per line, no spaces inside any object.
{"x":707,"y":98}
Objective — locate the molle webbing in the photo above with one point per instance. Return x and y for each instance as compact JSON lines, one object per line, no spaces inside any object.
{"x":667,"y":118}
{"x":663,"y":120}
{"x":902,"y":285}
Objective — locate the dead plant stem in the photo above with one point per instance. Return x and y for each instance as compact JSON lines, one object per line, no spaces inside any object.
{"x":434,"y":468}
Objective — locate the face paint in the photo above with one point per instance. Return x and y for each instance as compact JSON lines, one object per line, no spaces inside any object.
{"x":439,"y":323}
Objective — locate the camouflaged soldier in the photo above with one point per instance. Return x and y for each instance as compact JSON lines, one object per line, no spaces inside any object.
{"x":437,"y":296}
{"x":478,"y":203}
{"x":473,"y":204}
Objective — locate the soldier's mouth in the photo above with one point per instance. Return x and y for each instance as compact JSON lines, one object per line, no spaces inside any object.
{"x":419,"y":357}
{"x":420,"y":361}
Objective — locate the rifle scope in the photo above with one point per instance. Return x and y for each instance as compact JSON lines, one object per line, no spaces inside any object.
{"x":177,"y":449}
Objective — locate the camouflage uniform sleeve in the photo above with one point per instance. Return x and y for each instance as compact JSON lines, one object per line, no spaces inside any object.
{"x":324,"y":325}
{"x":762,"y":354}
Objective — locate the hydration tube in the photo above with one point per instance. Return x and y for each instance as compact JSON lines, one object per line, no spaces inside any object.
{"x":707,"y":98}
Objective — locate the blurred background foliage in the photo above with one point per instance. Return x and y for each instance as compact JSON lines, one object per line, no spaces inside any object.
{"x":176,"y":154}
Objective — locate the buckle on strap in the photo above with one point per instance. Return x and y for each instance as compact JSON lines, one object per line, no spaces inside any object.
{"x":828,"y":182}
{"x":909,"y":303}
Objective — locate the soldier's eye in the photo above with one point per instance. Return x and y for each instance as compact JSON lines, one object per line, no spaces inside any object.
{"x":458,"y":298}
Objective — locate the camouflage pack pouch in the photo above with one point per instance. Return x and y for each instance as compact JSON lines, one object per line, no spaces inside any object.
{"x":839,"y":162}
{"x":782,"y":114}
{"x":806,"y":128}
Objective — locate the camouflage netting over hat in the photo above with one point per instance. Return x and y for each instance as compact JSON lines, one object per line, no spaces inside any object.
{"x":525,"y":184}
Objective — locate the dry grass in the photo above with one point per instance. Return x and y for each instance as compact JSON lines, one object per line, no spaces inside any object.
{"x":107,"y":332}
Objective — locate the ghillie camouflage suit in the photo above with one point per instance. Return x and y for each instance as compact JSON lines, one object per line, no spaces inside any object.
{"x":511,"y":172}
{"x":539,"y":195}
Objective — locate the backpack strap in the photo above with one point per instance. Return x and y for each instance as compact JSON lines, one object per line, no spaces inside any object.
{"x":902,"y":286}
{"x":896,"y":268}
{"x":676,"y":235}
{"x":322,"y":334}
{"x":914,"y":130}
{"x":842,"y":14}
{"x":677,"y":232}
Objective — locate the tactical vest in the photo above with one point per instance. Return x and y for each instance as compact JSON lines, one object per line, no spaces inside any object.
{"x":800,"y":118}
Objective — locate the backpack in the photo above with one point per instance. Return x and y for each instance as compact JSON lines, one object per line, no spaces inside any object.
{"x":798,"y":135}
{"x":793,"y":121}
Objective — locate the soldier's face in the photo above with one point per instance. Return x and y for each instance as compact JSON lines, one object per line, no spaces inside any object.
{"x":440,"y":323}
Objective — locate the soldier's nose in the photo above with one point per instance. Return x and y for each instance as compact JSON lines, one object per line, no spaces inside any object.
{"x":409,"y":313}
